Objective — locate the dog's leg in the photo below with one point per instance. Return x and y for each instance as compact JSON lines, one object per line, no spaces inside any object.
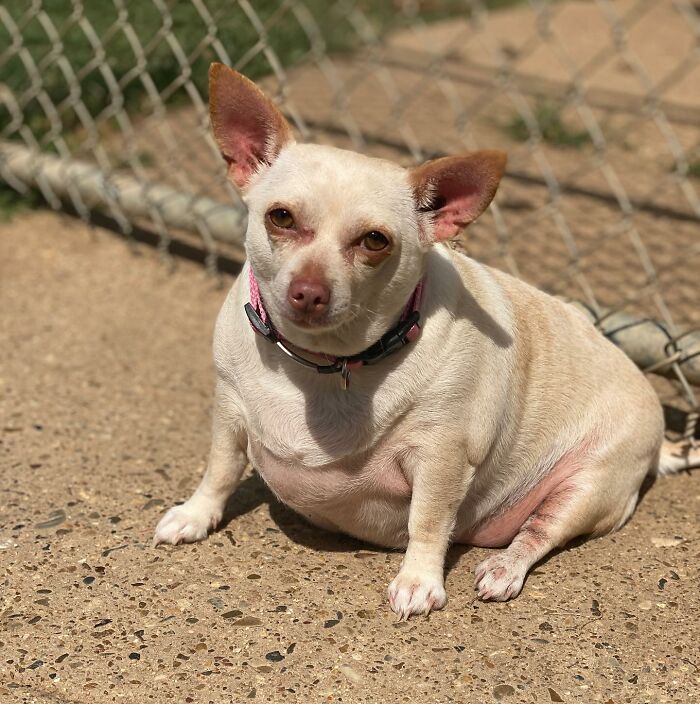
{"x":437,"y":495}
{"x":567,"y":513}
{"x":227,"y":460}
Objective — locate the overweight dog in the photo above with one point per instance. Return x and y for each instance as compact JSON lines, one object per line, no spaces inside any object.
{"x":389,"y":387}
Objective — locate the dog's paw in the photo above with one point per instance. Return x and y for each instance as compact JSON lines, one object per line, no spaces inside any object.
{"x":499,"y":578}
{"x":413,"y":593}
{"x":187,"y":523}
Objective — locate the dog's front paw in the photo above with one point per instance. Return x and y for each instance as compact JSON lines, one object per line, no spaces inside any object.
{"x":187,"y":523}
{"x":500,"y":577}
{"x":413,"y":593}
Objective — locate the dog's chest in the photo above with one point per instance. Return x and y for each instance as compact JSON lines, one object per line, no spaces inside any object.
{"x":366,"y":495}
{"x":324,"y":462}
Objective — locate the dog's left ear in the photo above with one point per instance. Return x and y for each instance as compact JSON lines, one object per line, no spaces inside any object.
{"x":248,"y":128}
{"x":457,"y":189}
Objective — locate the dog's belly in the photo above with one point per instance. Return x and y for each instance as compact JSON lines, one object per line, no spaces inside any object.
{"x":367,"y":497}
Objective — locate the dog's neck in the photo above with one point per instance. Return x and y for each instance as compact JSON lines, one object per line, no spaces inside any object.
{"x":404,"y":331}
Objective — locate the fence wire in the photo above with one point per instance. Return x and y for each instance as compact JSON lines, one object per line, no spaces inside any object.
{"x":103,"y":105}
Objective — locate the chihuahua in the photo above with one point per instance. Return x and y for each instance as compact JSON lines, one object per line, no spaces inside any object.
{"x":387,"y":386}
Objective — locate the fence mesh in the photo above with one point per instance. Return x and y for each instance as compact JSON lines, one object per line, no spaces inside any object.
{"x":103,"y":105}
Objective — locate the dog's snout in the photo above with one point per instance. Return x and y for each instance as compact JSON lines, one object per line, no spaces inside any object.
{"x":309,"y":297}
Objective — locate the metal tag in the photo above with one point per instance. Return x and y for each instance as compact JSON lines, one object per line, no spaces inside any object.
{"x":345,"y":375}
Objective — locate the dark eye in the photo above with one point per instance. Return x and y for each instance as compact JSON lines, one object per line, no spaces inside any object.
{"x":375,"y":241}
{"x":280,"y":217}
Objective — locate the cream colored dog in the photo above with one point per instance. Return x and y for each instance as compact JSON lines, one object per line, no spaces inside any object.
{"x":509,"y":422}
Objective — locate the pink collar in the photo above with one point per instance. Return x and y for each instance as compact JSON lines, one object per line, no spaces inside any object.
{"x":405,"y":331}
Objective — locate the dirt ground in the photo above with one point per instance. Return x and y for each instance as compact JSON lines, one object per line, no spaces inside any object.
{"x":105,"y":393}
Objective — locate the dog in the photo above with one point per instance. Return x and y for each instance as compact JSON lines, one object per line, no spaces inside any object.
{"x":386,"y":386}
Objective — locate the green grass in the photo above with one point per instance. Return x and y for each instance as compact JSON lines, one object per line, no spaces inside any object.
{"x":12,"y":202}
{"x":285,"y":35}
{"x":34,"y":63}
{"x":235,"y":31}
{"x":553,"y":128}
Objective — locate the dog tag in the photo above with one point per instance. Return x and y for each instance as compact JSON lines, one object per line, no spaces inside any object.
{"x":345,"y":375}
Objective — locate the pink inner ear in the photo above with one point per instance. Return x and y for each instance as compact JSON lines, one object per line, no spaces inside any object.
{"x":248,"y":128}
{"x":243,"y":135}
{"x":247,"y":159}
{"x":461,"y":188}
{"x":455,"y":214}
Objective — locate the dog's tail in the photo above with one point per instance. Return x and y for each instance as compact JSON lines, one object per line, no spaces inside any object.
{"x":677,"y":456}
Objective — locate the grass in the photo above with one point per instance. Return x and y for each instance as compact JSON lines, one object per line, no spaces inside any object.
{"x":68,"y":69}
{"x":553,"y":128}
{"x":694,"y":169}
{"x":13,"y":203}
{"x":151,"y":27}
{"x":234,"y":29}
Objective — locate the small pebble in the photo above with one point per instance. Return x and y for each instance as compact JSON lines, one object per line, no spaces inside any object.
{"x":55,"y":519}
{"x":232,"y":614}
{"x":502,"y":691}
{"x":134,"y":656}
{"x":274,"y":656}
{"x":352,"y":674}
{"x":248,"y":621}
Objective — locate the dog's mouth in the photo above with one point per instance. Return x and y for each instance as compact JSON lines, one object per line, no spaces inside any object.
{"x":312,"y":323}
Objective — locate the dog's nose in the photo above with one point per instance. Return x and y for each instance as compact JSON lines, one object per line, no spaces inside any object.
{"x":309,"y":297}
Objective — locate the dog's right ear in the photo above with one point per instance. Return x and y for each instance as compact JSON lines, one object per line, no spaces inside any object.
{"x":248,"y":128}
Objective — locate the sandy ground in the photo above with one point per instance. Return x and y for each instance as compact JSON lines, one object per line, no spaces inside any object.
{"x":105,"y":392}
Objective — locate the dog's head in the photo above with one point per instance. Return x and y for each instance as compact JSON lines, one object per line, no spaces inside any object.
{"x":337,"y":240}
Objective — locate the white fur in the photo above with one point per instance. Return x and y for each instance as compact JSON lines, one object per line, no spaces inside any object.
{"x":505,"y":388}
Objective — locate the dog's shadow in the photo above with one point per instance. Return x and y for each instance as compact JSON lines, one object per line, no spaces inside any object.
{"x":253,"y":493}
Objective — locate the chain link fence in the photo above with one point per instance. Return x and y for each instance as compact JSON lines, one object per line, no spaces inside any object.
{"x":103,"y":106}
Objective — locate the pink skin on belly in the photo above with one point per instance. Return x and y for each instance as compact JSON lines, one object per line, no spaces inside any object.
{"x":305,"y":488}
{"x":333,"y":496}
{"x":498,"y":531}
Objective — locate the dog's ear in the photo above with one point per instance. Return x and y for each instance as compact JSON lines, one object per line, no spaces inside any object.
{"x":457,"y":189}
{"x":248,"y":128}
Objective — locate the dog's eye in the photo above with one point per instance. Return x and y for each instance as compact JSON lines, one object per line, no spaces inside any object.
{"x":375,"y":241}
{"x":280,"y":217}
